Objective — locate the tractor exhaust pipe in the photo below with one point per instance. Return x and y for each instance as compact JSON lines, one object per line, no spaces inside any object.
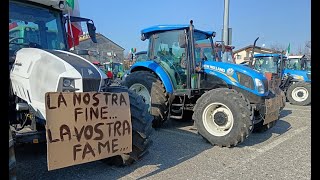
{"x":252,"y":53}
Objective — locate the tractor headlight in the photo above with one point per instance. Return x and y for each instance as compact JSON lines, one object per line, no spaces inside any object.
{"x":67,"y":82}
{"x":68,"y":85}
{"x":259,"y":85}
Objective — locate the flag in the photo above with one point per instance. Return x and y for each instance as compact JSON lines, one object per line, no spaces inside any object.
{"x":70,"y":3}
{"x":288,"y":50}
{"x":76,"y":30}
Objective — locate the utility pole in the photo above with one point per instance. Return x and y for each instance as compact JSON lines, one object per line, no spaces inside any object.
{"x":226,"y":23}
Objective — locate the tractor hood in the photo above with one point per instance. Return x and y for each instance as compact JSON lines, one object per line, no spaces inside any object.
{"x":299,"y":75}
{"x":238,"y":75}
{"x":227,"y":68}
{"x":37,"y":71}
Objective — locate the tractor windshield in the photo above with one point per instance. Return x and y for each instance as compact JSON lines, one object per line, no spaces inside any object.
{"x":298,"y":64}
{"x":34,"y":26}
{"x":265,"y":64}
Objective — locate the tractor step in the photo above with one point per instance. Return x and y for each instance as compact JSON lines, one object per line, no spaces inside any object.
{"x":177,"y":105}
{"x":175,"y":117}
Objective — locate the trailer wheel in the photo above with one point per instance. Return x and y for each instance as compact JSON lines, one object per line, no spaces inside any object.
{"x":141,"y":121}
{"x":152,"y":90}
{"x":299,"y":93}
{"x":223,"y":117}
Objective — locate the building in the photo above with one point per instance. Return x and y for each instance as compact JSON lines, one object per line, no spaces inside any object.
{"x":104,"y":51}
{"x":244,"y":54}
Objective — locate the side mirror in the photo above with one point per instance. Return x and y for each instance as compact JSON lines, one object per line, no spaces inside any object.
{"x":92,"y":31}
{"x":143,"y":37}
{"x":182,"y":41}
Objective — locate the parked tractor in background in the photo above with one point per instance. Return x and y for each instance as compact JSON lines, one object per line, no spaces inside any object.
{"x":141,"y":56}
{"x":295,"y":81}
{"x":294,"y":74}
{"x":298,"y":63}
{"x":228,"y":101}
{"x":44,"y":64}
{"x":114,"y":68}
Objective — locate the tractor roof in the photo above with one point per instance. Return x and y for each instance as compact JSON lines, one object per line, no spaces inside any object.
{"x":268,"y":55}
{"x":141,"y":52}
{"x":160,"y":28}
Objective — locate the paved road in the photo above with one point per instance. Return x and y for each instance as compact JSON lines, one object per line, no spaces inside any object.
{"x":283,"y":152}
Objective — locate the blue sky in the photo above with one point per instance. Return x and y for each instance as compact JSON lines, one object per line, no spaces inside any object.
{"x":274,"y":21}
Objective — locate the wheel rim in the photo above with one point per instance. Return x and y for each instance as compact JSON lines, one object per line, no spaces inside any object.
{"x":217,"y":119}
{"x":142,"y":91}
{"x":300,"y":94}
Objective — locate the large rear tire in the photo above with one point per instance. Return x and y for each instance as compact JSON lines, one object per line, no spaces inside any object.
{"x":223,"y":117}
{"x":141,"y":129}
{"x":299,"y":93}
{"x":152,"y":90}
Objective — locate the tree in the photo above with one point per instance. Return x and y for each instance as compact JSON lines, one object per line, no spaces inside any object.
{"x":277,"y":47}
{"x":307,"y":49}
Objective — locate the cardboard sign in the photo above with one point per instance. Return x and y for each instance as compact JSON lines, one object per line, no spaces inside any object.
{"x":85,"y":127}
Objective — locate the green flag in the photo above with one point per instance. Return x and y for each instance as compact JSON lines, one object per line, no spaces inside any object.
{"x":70,"y":3}
{"x":288,"y":50}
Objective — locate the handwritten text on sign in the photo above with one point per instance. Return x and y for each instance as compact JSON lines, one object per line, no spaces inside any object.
{"x":84,"y":127}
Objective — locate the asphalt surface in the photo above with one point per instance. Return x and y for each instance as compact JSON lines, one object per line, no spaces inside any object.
{"x":283,"y":152}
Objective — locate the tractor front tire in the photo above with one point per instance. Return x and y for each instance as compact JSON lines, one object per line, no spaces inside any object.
{"x":141,"y":121}
{"x":149,"y":86}
{"x":223,"y":117}
{"x":299,"y":93}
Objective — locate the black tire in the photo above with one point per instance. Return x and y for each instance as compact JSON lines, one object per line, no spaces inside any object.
{"x":241,"y":112}
{"x":159,"y":96}
{"x":305,"y":86}
{"x":141,"y":129}
{"x":12,"y":158}
{"x":260,"y":127}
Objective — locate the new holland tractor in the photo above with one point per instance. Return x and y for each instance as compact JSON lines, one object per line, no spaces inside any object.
{"x":294,"y":72}
{"x":228,"y":101}
{"x":40,"y":64}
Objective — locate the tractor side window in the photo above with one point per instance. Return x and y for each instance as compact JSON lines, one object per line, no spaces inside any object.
{"x":203,"y":48}
{"x":171,"y":56}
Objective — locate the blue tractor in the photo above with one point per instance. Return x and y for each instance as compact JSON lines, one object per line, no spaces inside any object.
{"x":228,"y":101}
{"x":295,"y":75}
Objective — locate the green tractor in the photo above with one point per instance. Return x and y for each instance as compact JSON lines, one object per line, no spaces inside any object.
{"x":228,"y":101}
{"x":114,"y":69}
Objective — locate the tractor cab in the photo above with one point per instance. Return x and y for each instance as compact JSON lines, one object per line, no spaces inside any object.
{"x":269,"y":64}
{"x":298,"y":63}
{"x":41,"y":27}
{"x":114,"y":69}
{"x":141,"y":56}
{"x":174,"y":50}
